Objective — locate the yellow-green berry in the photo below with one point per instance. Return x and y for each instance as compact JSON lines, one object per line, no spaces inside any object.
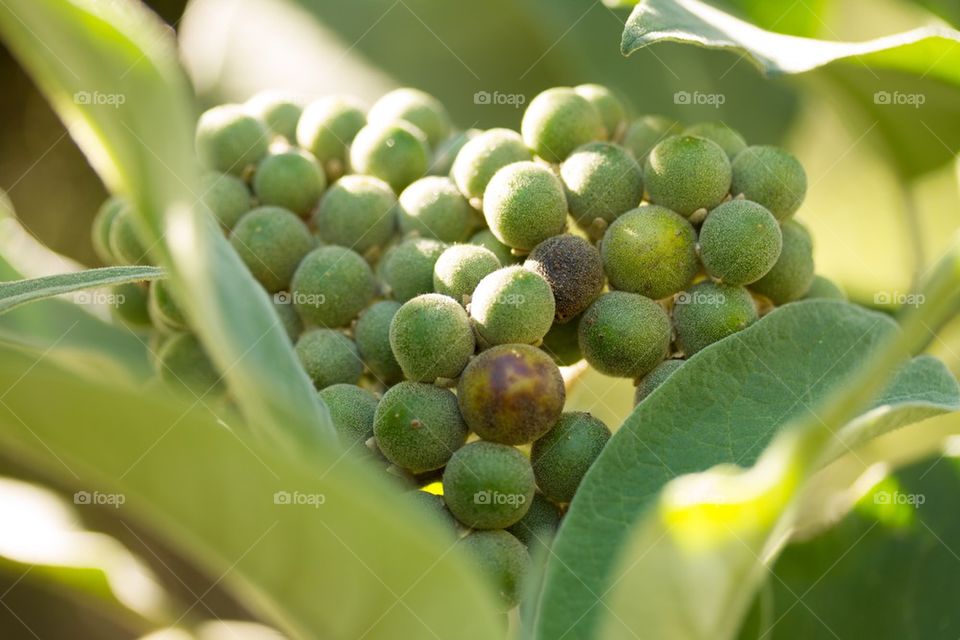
{"x":559,"y":120}
{"x":573,"y":269}
{"x":687,"y":173}
{"x":740,"y":242}
{"x":356,"y":212}
{"x":418,"y":426}
{"x":278,"y":111}
{"x":441,"y":163}
{"x":130,"y":304}
{"x":271,"y":241}
{"x":433,"y":207}
{"x":562,"y":457}
{"x":326,"y":129}
{"x":511,"y":394}
{"x":329,"y":357}
{"x":227,"y":197}
{"x":538,"y":527}
{"x":289,"y":318}
{"x":708,"y":312}
{"x":488,"y":485}
{"x":431,"y":338}
{"x":230,"y":140}
{"x":772,"y":177}
{"x":124,"y":241}
{"x":791,"y":276}
{"x":407,"y":268}
{"x":416,"y":107}
{"x":524,"y":204}
{"x":164,"y":311}
{"x":183,"y":364}
{"x":608,"y":105}
{"x":460,"y":269}
{"x":823,"y":288}
{"x":290,"y":179}
{"x":483,"y":156}
{"x":646,"y":132}
{"x":100,"y":230}
{"x":654,"y":379}
{"x":602,"y":181}
{"x":372,"y":334}
{"x":488,"y":240}
{"x":651,"y":251}
{"x":394,"y":152}
{"x":625,"y":334}
{"x":562,"y":343}
{"x":728,"y":138}
{"x":331,"y":286}
{"x":512,"y":306}
{"x":502,"y":560}
{"x":351,"y":410}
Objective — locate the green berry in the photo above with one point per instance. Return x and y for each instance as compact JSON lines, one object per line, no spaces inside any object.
{"x":460,"y":269}
{"x":512,"y":306}
{"x":654,"y":379}
{"x":559,"y":120}
{"x":431,"y":338}
{"x":279,"y":112}
{"x":824,"y":288}
{"x":687,"y":173}
{"x":562,"y":457}
{"x":441,"y":164}
{"x":331,"y":286}
{"x":791,"y":276}
{"x":772,"y":177}
{"x":433,"y":506}
{"x":356,"y":212}
{"x":563,"y":344}
{"x":651,"y":251}
{"x":511,"y":394}
{"x":164,"y":311}
{"x":708,"y":312}
{"x":271,"y":241}
{"x":433,"y":207}
{"x":372,"y":333}
{"x":351,"y":410}
{"x":420,"y":109}
{"x":326,"y":129}
{"x":394,"y":152}
{"x":183,"y":364}
{"x":608,"y":105}
{"x":488,"y":485}
{"x":602,"y":181}
{"x":130,"y":305}
{"x":486,"y":239}
{"x":483,"y":156}
{"x":646,"y":132}
{"x":230,"y":140}
{"x":100,"y":230}
{"x":524,"y":204}
{"x":573,"y":269}
{"x":125,"y":244}
{"x":625,"y":334}
{"x":740,"y":242}
{"x":289,"y":318}
{"x":418,"y":426}
{"x":729,"y":139}
{"x":538,"y":527}
{"x":502,"y":560}
{"x":227,"y":197}
{"x":407,"y":268}
{"x":290,"y":179}
{"x":329,"y":357}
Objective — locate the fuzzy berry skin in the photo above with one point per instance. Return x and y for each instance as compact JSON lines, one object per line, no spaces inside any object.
{"x":708,"y":312}
{"x":524,"y":204}
{"x":460,"y":269}
{"x":331,"y":286}
{"x":278,"y":111}
{"x":792,"y":275}
{"x":433,"y":207}
{"x":290,"y":179}
{"x":649,"y":383}
{"x":272,"y":241}
{"x":625,"y":334}
{"x":227,"y":197}
{"x":740,"y":242}
{"x":573,"y":269}
{"x":483,"y":156}
{"x":772,"y":177}
{"x":351,"y":410}
{"x":357,"y":212}
{"x":488,"y":485}
{"x":729,"y":139}
{"x":512,"y":305}
{"x":559,"y":120}
{"x":538,"y":527}
{"x":394,"y":152}
{"x":503,"y":560}
{"x":602,"y":181}
{"x":431,"y":338}
{"x":372,"y":333}
{"x":327,"y":127}
{"x":329,"y":357}
{"x":612,"y":111}
{"x":562,"y":457}
{"x":646,"y":132}
{"x":406,"y":270}
{"x":416,"y":107}
{"x":230,"y":140}
{"x":687,"y":173}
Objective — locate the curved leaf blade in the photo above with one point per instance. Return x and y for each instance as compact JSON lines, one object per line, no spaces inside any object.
{"x":19,"y":292}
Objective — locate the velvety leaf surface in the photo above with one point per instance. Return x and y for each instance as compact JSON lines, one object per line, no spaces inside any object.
{"x":13,"y":294}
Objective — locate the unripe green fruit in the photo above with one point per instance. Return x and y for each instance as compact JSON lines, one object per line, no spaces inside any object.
{"x":791,"y":276}
{"x":608,"y":105}
{"x":460,"y":269}
{"x":356,"y":212}
{"x":164,"y":311}
{"x":433,"y":506}
{"x":483,"y":156}
{"x":489,"y":241}
{"x":562,"y":343}
{"x":824,"y":288}
{"x":329,"y":357}
{"x":230,"y":140}
{"x":271,"y":241}
{"x":331,"y":286}
{"x":646,"y":132}
{"x":772,"y":177}
{"x":503,"y":560}
{"x":651,"y":251}
{"x":279,"y":112}
{"x":326,"y":129}
{"x":625,"y":334}
{"x":227,"y":197}
{"x":559,"y":120}
{"x":372,"y":333}
{"x":431,"y":338}
{"x":708,"y":312}
{"x":290,"y":179}
{"x":654,"y":379}
{"x":562,"y":457}
{"x":602,"y":180}
{"x":433,"y":207}
{"x":538,"y":527}
{"x":441,"y":164}
{"x":740,"y":242}
{"x":131,"y":304}
{"x":687,"y":173}
{"x":407,"y":268}
{"x":524,"y":204}
{"x":396,"y":153}
{"x":352,"y":410}
{"x":289,"y":318}
{"x":511,"y":394}
{"x":183,"y":364}
{"x":100,"y":230}
{"x":418,"y":426}
{"x":512,"y":306}
{"x":125,"y":244}
{"x":729,"y":139}
{"x":488,"y":485}
{"x":420,"y":109}
{"x":573,"y":269}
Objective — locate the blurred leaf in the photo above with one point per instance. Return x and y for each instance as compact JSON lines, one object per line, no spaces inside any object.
{"x":14,"y":294}
{"x":218,"y":630}
{"x":322,"y":549}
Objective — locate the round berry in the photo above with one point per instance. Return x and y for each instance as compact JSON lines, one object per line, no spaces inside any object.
{"x":164,"y":311}
{"x":227,"y":197}
{"x":772,"y":177}
{"x":271,"y":241}
{"x":356,"y":212}
{"x":433,"y":506}
{"x":351,"y":411}
{"x":740,"y":242}
{"x":433,"y":207}
{"x":646,"y":132}
{"x":524,"y":204}
{"x":824,"y":288}
{"x":431,"y":338}
{"x":279,"y":112}
{"x":331,"y":286}
{"x":486,"y":239}
{"x":125,"y":244}
{"x":230,"y":140}
{"x":687,"y":173}
{"x":460,"y":269}
{"x":512,"y":305}
{"x":625,"y":334}
{"x":729,"y":140}
{"x":791,"y":276}
{"x":602,"y":180}
{"x":289,"y":318}
{"x":538,"y":527}
{"x":131,"y":304}
{"x":562,"y":343}
{"x":372,"y":333}
{"x":329,"y":357}
{"x":183,"y":364}
{"x":488,"y":485}
{"x":289,"y":179}
{"x":441,"y":164}
{"x":608,"y":105}
{"x":100,"y":230}
{"x":708,"y":312}
{"x":562,"y":457}
{"x":395,"y":152}
{"x":502,"y":560}
{"x":407,"y":268}
{"x":483,"y":156}
{"x":573,"y":269}
{"x":654,"y":379}
{"x":559,"y":120}
{"x":326,"y":129}
{"x":420,"y":109}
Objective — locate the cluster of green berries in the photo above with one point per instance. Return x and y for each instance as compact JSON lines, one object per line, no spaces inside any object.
{"x":433,"y":282}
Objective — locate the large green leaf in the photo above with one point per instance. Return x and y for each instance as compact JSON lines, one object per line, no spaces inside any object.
{"x":747,"y":388}
{"x":13,"y":294}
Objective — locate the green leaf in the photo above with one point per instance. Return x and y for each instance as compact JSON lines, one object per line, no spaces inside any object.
{"x":325,"y":548}
{"x":748,"y":387}
{"x":14,"y":294}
